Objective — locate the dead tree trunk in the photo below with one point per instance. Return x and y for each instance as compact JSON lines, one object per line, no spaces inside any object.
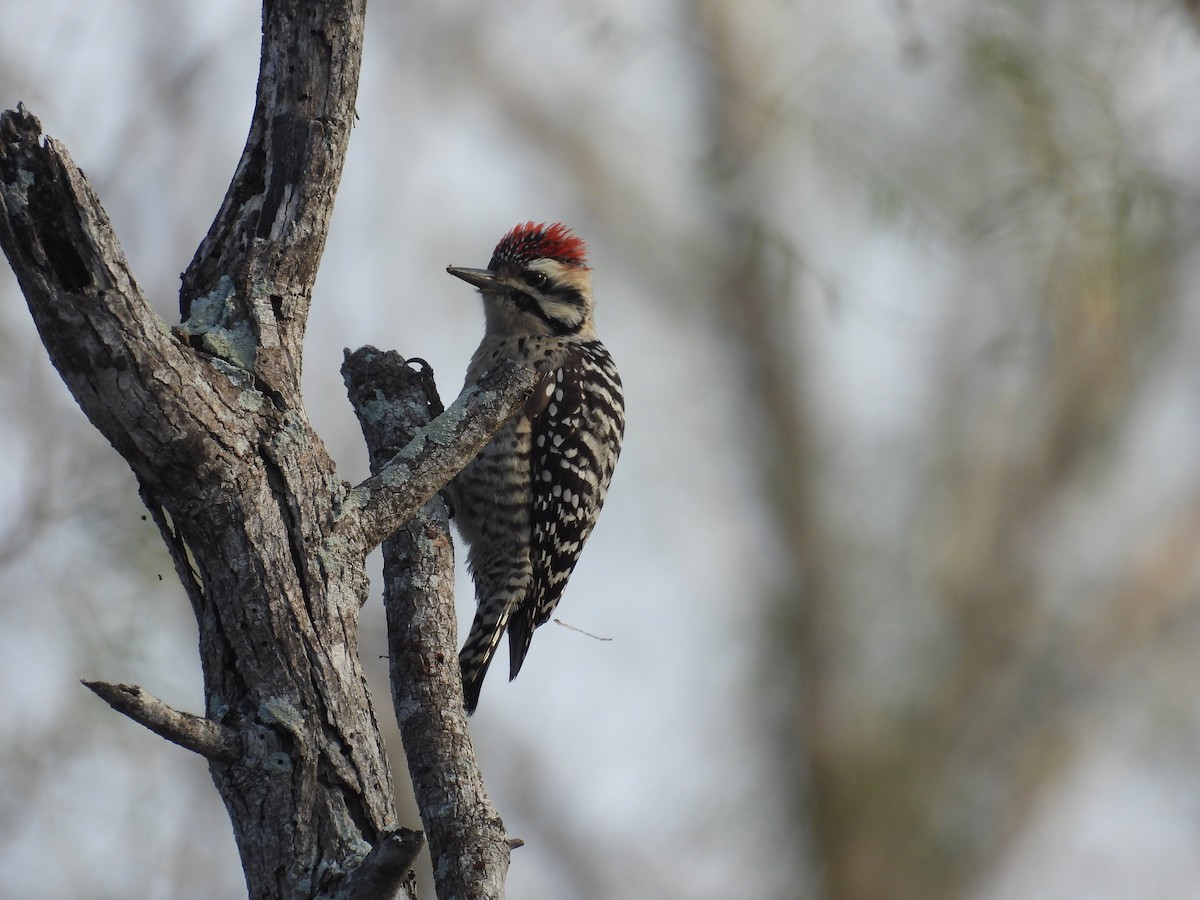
{"x":268,"y":541}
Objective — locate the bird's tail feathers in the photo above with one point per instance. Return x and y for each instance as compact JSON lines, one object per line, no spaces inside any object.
{"x":520,"y":635}
{"x":476,"y":654}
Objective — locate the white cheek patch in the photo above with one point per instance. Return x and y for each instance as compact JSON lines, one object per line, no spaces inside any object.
{"x":563,"y":312}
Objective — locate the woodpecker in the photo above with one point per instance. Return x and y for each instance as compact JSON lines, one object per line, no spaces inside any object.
{"x":527,"y":503}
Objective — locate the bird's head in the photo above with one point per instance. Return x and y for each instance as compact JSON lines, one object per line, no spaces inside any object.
{"x":537,"y":283}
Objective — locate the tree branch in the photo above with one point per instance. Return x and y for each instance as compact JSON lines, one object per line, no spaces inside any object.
{"x":467,"y":840}
{"x":259,"y":259}
{"x":433,"y":456}
{"x":113,"y":351}
{"x":195,"y":733}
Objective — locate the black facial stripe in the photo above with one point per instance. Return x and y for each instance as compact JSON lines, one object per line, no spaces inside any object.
{"x":568,"y":295}
{"x":527,"y":304}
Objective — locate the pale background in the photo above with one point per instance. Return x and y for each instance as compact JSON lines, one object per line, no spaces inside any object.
{"x":900,"y":565}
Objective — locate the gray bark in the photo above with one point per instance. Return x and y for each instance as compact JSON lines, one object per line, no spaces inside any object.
{"x":467,"y":840}
{"x":268,"y":541}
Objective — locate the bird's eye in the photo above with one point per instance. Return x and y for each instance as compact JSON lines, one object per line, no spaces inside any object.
{"x":534,"y":279}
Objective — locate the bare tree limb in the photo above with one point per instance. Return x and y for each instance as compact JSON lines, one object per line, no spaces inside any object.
{"x":89,"y":309}
{"x":467,"y":840}
{"x":433,"y":456}
{"x":194,"y":733}
{"x":259,"y":259}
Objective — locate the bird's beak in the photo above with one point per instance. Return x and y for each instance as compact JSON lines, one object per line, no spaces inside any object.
{"x":484,"y":279}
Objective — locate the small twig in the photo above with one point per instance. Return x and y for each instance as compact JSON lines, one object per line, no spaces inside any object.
{"x":594,"y":637}
{"x":195,"y":733}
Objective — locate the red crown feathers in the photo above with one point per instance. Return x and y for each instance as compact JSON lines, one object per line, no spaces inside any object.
{"x":531,"y":241}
